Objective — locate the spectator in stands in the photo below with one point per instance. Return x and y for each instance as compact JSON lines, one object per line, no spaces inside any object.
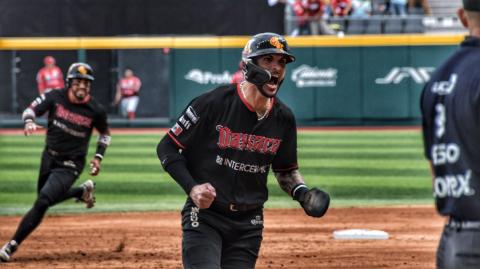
{"x":419,"y":7}
{"x":361,"y":8}
{"x":128,"y":89}
{"x":239,"y":76}
{"x":380,"y":7}
{"x":309,"y":16}
{"x":50,"y":77}
{"x":398,"y":7}
{"x":341,"y":8}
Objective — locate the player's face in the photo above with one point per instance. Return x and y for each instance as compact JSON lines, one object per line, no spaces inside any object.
{"x":128,"y":73}
{"x":80,"y":88}
{"x":275,"y":64}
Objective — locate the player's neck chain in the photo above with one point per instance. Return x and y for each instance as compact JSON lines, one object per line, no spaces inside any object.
{"x":260,"y":116}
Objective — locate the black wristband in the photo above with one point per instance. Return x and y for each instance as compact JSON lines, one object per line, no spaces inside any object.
{"x":179,"y":172}
{"x":298,"y":192}
{"x":101,"y":148}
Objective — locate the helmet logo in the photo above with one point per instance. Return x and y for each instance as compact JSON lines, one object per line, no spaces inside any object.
{"x":276,"y":43}
{"x":247,"y":50}
{"x":82,"y":70}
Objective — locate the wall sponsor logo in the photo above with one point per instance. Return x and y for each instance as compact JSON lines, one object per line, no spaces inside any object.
{"x":419,"y":74}
{"x":308,"y":76}
{"x":207,"y":77}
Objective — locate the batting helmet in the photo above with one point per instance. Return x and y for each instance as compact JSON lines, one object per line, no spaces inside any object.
{"x":267,"y":43}
{"x":259,"y":45}
{"x":79,"y":70}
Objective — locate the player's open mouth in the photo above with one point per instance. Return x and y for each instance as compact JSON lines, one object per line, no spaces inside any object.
{"x":273,"y":80}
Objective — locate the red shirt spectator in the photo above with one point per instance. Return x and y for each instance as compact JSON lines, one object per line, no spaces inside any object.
{"x":341,"y":7}
{"x":307,"y":10}
{"x":129,"y":85}
{"x":127,"y":92}
{"x":50,"y":77}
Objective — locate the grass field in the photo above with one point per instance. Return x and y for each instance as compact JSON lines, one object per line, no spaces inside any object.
{"x":357,"y":168}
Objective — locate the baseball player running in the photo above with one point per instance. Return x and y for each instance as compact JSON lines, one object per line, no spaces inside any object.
{"x":72,"y":115}
{"x":220,"y":151}
{"x":451,"y":111}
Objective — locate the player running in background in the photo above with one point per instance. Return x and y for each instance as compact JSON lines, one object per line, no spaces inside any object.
{"x":128,"y":89}
{"x":50,"y":77}
{"x":451,"y":112}
{"x":72,"y":115}
{"x":220,"y":152}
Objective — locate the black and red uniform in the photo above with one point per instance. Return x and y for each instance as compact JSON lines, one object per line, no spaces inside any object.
{"x":225,"y":144}
{"x":69,"y":130}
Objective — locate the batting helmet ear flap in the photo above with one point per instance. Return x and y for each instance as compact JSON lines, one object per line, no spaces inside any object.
{"x":255,"y":74}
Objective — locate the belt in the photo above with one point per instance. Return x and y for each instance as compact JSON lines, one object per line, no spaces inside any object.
{"x":235,"y":207}
{"x":466,"y":224}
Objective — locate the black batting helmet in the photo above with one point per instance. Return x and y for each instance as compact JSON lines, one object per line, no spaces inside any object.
{"x":80,"y":70}
{"x":266,"y":43}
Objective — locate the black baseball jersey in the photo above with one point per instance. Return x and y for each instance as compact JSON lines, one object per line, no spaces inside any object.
{"x":451,"y":129}
{"x":226,"y":145}
{"x":69,"y":125}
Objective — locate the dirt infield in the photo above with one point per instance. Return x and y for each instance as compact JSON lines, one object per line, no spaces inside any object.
{"x":291,"y":240}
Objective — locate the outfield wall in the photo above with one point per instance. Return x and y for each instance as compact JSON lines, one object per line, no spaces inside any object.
{"x":351,"y":80}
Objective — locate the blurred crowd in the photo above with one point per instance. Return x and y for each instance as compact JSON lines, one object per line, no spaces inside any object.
{"x":311,"y":16}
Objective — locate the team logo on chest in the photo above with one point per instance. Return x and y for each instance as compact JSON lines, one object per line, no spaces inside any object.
{"x":247,"y":142}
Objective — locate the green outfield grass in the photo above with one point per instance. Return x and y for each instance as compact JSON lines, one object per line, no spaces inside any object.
{"x":357,"y":168}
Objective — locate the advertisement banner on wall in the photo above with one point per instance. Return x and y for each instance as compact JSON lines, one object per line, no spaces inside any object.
{"x":347,"y":83}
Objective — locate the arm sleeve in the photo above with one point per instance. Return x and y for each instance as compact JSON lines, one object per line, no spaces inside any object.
{"x":39,"y":106}
{"x":101,"y":123}
{"x":175,"y":164}
{"x":286,"y":158}
{"x":184,"y":132}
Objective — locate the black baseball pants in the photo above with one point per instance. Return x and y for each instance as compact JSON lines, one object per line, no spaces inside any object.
{"x":55,"y":182}
{"x":220,"y":238}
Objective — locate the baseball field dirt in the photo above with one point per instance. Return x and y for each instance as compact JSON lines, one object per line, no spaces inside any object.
{"x":291,"y":240}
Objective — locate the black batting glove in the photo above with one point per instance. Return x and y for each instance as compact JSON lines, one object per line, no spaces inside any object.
{"x":314,"y":202}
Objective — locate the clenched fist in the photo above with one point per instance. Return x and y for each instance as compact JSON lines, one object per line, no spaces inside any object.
{"x":203,"y":195}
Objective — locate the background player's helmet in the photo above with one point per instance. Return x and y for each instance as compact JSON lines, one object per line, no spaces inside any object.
{"x":48,"y":60}
{"x":259,"y":45}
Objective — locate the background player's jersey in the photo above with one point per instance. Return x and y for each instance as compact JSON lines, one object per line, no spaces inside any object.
{"x":50,"y":78}
{"x":451,"y":123}
{"x":69,"y":125}
{"x":226,"y":145}
{"x":130,"y":86}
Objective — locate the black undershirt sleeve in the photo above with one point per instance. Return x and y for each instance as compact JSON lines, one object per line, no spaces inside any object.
{"x":175,"y":164}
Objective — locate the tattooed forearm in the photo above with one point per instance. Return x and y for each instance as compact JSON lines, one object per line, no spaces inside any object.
{"x":288,"y":180}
